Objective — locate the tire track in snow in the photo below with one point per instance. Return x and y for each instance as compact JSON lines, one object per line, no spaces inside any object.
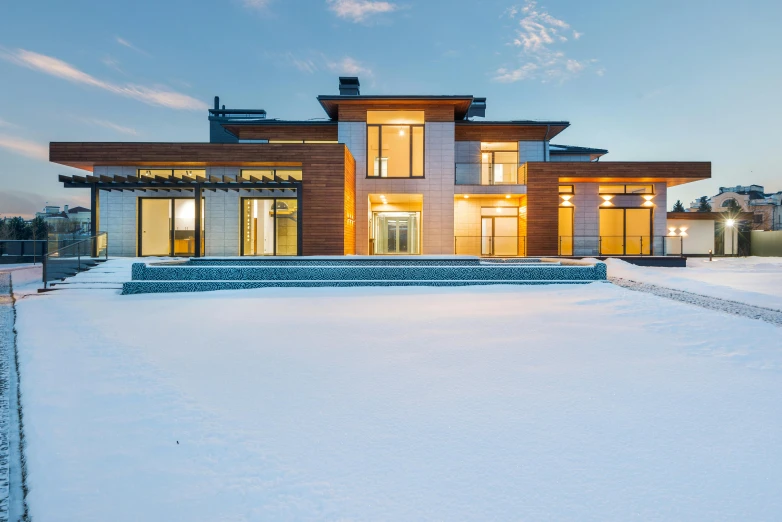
{"x":768,"y":315}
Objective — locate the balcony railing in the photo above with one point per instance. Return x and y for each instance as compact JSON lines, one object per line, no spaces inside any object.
{"x":491,"y":246}
{"x":489,"y":174}
{"x":629,"y":245}
{"x":74,"y":258}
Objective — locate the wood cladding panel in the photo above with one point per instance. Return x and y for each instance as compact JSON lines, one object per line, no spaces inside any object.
{"x":317,"y":132}
{"x":544,"y":178}
{"x":432,"y":112}
{"x":324,"y":175}
{"x":466,"y":131}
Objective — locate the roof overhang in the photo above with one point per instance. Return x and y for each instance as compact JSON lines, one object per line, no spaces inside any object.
{"x":519,"y":130}
{"x":709,"y":216}
{"x":331,"y":103}
{"x":672,"y":173}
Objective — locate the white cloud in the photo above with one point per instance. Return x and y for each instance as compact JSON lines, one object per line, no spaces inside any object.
{"x":256,"y":4}
{"x":314,"y":62}
{"x":348,"y":65}
{"x":360,"y":10}
{"x":27,"y":148}
{"x":111,"y":63}
{"x":129,"y":45}
{"x":113,"y":126}
{"x":7,"y":124}
{"x":156,"y":96}
{"x":539,"y":38}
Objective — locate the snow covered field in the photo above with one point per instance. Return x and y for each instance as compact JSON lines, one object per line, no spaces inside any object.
{"x":486,"y":403}
{"x":752,"y":280}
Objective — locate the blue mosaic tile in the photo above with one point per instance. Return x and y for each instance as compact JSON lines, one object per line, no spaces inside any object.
{"x":193,"y":277}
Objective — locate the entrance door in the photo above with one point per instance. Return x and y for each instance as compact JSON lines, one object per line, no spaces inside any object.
{"x":396,"y":233}
{"x":499,"y":236}
{"x":625,"y":231}
{"x":155,"y":227}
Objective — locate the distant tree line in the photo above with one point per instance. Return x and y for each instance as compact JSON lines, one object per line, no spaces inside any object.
{"x":18,"y":228}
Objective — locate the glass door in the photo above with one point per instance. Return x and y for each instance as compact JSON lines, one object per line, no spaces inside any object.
{"x":625,"y":231}
{"x":499,"y":236}
{"x":271,"y":227}
{"x":396,"y":233}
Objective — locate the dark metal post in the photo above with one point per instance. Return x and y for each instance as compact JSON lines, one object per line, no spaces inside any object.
{"x":94,"y":213}
{"x":198,"y":223}
{"x":299,"y":228}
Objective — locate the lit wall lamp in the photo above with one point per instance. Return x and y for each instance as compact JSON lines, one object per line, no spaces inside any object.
{"x":607,"y":200}
{"x":671,"y":231}
{"x":648,"y":202}
{"x":683,"y":231}
{"x":566,"y":200}
{"x":730,"y":222}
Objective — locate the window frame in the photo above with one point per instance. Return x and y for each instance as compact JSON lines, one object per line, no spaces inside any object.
{"x":410,"y":127}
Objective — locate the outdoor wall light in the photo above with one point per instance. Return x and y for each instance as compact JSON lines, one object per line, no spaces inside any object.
{"x":648,"y":202}
{"x":607,"y":200}
{"x":730,"y":222}
{"x":671,"y":231}
{"x":566,"y":200}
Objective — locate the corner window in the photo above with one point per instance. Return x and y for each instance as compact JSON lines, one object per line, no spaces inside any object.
{"x":395,"y":144}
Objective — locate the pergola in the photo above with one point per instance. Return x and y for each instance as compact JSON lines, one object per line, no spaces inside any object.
{"x":196,"y":184}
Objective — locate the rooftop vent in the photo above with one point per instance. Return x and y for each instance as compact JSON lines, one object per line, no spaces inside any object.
{"x":477,"y":108}
{"x":349,"y":86}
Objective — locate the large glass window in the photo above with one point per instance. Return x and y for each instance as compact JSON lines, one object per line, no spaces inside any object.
{"x":499,"y":163}
{"x":626,"y":189}
{"x":270,"y":227}
{"x":171,"y":173}
{"x":625,"y":231}
{"x":395,"y":144}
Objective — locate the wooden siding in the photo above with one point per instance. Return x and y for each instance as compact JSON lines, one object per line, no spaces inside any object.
{"x":468,"y":131}
{"x":316,"y":132}
{"x":358,"y":111}
{"x":544,"y":178}
{"x":326,"y":198}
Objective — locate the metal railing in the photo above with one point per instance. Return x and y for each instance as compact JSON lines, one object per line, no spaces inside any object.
{"x":489,"y":174}
{"x":22,"y":250}
{"x":491,"y":246}
{"x":74,"y":258}
{"x":629,"y":245}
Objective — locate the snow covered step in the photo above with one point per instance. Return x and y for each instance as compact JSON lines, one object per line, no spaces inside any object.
{"x":154,"y":287}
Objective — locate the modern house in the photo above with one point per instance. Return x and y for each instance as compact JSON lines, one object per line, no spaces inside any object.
{"x":766,"y":208}
{"x":380,"y":175}
{"x":75,"y":219}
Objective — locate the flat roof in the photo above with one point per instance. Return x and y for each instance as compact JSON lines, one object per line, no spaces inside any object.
{"x":331,"y":102}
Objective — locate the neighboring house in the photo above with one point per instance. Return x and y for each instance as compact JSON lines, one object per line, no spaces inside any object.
{"x":381,"y":175}
{"x":704,"y":233}
{"x":76,"y":219}
{"x":766,"y":208}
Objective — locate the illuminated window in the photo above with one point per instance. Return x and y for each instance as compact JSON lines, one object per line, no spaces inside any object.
{"x":566,"y":189}
{"x":395,"y":144}
{"x":171,"y":173}
{"x":626,"y":189}
{"x":260,"y":174}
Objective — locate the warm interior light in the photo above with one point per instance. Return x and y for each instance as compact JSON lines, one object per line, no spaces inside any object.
{"x":507,"y":196}
{"x":401,"y":132}
{"x":466,"y":196}
{"x":499,"y":210}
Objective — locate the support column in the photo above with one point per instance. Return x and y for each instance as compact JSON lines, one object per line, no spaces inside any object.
{"x":299,"y":212}
{"x":198,"y":223}
{"x":94,"y":213}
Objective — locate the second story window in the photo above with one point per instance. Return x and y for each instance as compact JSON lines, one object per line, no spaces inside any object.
{"x":395,"y":144}
{"x":499,"y":163}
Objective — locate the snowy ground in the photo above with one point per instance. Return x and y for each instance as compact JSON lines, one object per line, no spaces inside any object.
{"x":486,"y":403}
{"x":752,"y":280}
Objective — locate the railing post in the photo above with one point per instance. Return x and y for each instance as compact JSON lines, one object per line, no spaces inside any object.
{"x":107,"y":246}
{"x":44,"y":266}
{"x":642,"y":245}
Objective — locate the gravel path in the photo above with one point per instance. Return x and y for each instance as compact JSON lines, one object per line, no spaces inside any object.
{"x":768,"y":315}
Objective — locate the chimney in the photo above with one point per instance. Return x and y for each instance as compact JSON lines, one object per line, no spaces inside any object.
{"x":217,"y":102}
{"x":477,"y":108}
{"x":349,"y":86}
{"x":66,"y":209}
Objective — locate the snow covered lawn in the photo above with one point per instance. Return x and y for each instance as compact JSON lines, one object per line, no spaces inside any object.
{"x":752,"y":280}
{"x":486,"y":403}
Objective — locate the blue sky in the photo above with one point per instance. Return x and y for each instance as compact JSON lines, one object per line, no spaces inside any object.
{"x":655,"y":80}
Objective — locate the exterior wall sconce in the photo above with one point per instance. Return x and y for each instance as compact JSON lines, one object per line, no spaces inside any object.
{"x":648,"y":202}
{"x":607,"y":201}
{"x":566,"y":200}
{"x":730,"y":222}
